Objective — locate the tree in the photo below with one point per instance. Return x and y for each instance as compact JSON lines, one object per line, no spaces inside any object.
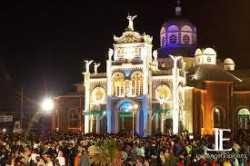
{"x":170,"y":160}
{"x":104,"y":153}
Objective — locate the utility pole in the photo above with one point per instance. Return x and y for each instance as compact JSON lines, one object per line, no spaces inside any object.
{"x":21,"y":121}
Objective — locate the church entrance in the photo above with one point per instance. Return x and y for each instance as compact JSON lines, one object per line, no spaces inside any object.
{"x":168,"y":125}
{"x":127,"y":115}
{"x":126,"y":122}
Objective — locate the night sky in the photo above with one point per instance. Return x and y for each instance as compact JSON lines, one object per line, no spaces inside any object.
{"x":43,"y":44}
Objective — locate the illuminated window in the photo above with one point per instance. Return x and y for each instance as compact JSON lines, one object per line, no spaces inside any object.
{"x":243,"y":118}
{"x":208,"y":59}
{"x":118,"y":84}
{"x":74,"y":118}
{"x":173,"y":39}
{"x":137,"y":83}
{"x":127,"y":88}
{"x":186,"y":39}
{"x":163,"y":41}
{"x":118,"y":51}
{"x":163,"y":65}
{"x":218,"y":117}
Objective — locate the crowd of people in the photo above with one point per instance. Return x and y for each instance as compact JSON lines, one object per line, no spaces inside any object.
{"x":76,"y":149}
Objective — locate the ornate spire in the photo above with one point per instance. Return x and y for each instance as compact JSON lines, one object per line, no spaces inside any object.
{"x":178,"y":8}
{"x":130,"y":22}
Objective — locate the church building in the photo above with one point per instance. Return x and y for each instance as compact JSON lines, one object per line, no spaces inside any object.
{"x":176,"y":88}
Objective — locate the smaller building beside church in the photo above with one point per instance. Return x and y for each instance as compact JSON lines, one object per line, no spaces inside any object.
{"x":67,"y":115}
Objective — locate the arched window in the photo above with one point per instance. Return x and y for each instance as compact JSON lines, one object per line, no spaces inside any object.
{"x":127,"y":88}
{"x":163,"y":40}
{"x":186,"y":39}
{"x":74,"y":118}
{"x":208,"y":59}
{"x":186,"y":34}
{"x":137,"y":83}
{"x":172,"y":39}
{"x":118,"y":51}
{"x":218,"y":117}
{"x":118,"y":84}
{"x":163,"y":36}
{"x":243,"y":118}
{"x":186,"y":28}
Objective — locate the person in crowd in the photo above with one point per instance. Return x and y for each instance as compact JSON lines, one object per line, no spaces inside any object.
{"x":61,"y":159}
{"x":72,"y":149}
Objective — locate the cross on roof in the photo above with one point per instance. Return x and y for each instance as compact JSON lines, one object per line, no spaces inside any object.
{"x":178,"y":2}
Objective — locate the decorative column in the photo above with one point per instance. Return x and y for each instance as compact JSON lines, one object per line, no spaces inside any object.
{"x":149,"y":125}
{"x":87,"y":87}
{"x":116,"y":123}
{"x":175,"y":81}
{"x":162,"y":115}
{"x":150,"y":108}
{"x":109,"y":90}
{"x":98,"y":123}
{"x":156,"y":121}
{"x":145,"y":100}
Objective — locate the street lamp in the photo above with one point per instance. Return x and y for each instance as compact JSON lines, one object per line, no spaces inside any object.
{"x":4,"y":130}
{"x":47,"y":105}
{"x":134,"y":109}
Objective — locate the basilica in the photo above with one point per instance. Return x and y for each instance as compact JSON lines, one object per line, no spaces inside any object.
{"x":176,"y":88}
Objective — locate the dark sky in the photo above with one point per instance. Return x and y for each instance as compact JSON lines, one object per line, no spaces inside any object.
{"x":43,"y":44}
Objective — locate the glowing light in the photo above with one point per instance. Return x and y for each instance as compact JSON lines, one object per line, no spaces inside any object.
{"x":47,"y":105}
{"x":135,"y":106}
{"x":4,"y":130}
{"x":127,"y":73}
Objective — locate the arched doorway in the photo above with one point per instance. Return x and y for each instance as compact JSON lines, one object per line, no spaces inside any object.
{"x":156,"y":123}
{"x":74,"y":119}
{"x":243,"y":118}
{"x":127,"y":111}
{"x":168,"y":124}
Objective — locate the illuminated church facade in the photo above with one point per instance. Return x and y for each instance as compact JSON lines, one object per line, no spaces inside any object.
{"x":175,"y":88}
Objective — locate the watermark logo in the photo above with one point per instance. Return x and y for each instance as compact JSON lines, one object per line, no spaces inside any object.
{"x":219,"y":139}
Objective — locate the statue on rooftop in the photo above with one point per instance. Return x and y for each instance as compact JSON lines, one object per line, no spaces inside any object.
{"x":96,"y":67}
{"x":175,"y":59}
{"x":155,"y":55}
{"x":130,"y":22}
{"x":111,"y":52}
{"x":87,"y":65}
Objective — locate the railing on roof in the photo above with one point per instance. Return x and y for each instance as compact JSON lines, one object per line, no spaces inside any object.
{"x":97,"y":75}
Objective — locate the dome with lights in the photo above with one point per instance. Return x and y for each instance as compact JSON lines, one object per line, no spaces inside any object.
{"x":228,"y":64}
{"x":205,"y":56}
{"x":178,"y":36}
{"x":228,"y":61}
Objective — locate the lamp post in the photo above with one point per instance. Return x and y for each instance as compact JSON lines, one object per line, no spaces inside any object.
{"x":47,"y":105}
{"x":134,"y":109}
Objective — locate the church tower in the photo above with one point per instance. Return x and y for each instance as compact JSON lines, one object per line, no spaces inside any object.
{"x":178,"y":36}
